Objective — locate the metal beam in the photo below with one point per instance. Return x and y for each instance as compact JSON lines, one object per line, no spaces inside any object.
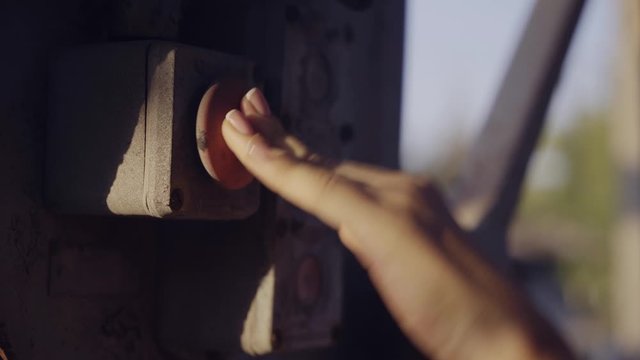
{"x":490,"y":186}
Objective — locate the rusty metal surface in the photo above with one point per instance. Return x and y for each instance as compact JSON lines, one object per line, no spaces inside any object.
{"x":341,"y":95}
{"x":45,"y":311}
{"x":92,"y":287}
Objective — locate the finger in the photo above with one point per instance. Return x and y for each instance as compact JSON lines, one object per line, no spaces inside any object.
{"x":368,"y":174}
{"x":258,"y":102}
{"x":315,"y":188}
{"x":256,"y":109}
{"x":271,"y":129}
{"x":267,"y":125}
{"x":247,"y":107}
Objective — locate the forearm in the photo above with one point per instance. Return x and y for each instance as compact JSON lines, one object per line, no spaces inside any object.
{"x":531,"y":335}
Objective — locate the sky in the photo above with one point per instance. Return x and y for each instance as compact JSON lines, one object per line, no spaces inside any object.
{"x":456,"y":54}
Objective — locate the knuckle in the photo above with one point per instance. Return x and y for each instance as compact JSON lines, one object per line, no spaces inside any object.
{"x":415,"y":188}
{"x":328,"y":183}
{"x":416,"y":197}
{"x":426,"y":189}
{"x":333,"y":186}
{"x":424,"y":183}
{"x":325,"y":191}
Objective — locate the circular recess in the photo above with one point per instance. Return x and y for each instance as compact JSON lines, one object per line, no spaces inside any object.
{"x":215,"y":155}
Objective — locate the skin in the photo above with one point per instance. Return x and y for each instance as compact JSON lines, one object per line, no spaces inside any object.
{"x":449,"y":301}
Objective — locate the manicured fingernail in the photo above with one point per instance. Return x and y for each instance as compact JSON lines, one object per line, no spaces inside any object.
{"x":256,"y":98}
{"x":239,"y":122}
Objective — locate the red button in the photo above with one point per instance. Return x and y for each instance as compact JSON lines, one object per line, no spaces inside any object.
{"x":215,"y":155}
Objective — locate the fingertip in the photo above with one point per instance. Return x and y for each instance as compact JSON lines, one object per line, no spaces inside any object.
{"x":247,"y":107}
{"x":232,"y":137}
{"x":239,"y":122}
{"x":245,"y":146}
{"x":259,"y":102}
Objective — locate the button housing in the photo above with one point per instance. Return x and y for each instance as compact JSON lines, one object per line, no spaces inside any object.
{"x":120,"y":133}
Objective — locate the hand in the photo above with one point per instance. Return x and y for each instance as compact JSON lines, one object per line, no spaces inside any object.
{"x":449,"y":301}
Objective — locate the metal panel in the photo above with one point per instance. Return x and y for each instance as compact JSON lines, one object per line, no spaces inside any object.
{"x":120,"y":137}
{"x":215,"y":269}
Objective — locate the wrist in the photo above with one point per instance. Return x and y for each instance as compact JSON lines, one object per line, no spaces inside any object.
{"x":517,"y":340}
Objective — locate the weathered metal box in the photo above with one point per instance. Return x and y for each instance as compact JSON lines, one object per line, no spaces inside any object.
{"x":121,"y":132}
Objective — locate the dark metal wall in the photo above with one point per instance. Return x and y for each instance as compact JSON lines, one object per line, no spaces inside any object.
{"x":81,"y":287}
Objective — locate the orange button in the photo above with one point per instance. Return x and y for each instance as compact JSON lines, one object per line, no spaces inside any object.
{"x":215,"y":155}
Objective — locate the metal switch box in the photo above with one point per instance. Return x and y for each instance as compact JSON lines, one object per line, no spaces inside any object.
{"x":121,"y":132}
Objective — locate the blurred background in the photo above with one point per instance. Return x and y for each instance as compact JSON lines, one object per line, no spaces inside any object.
{"x":575,"y":239}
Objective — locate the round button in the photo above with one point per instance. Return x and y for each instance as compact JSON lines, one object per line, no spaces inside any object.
{"x":215,"y":155}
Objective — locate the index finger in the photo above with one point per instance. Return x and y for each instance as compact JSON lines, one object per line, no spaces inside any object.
{"x":312,"y":186}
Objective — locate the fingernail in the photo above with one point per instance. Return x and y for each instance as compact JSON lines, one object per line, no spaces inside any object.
{"x":239,"y":122}
{"x":256,"y":98}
